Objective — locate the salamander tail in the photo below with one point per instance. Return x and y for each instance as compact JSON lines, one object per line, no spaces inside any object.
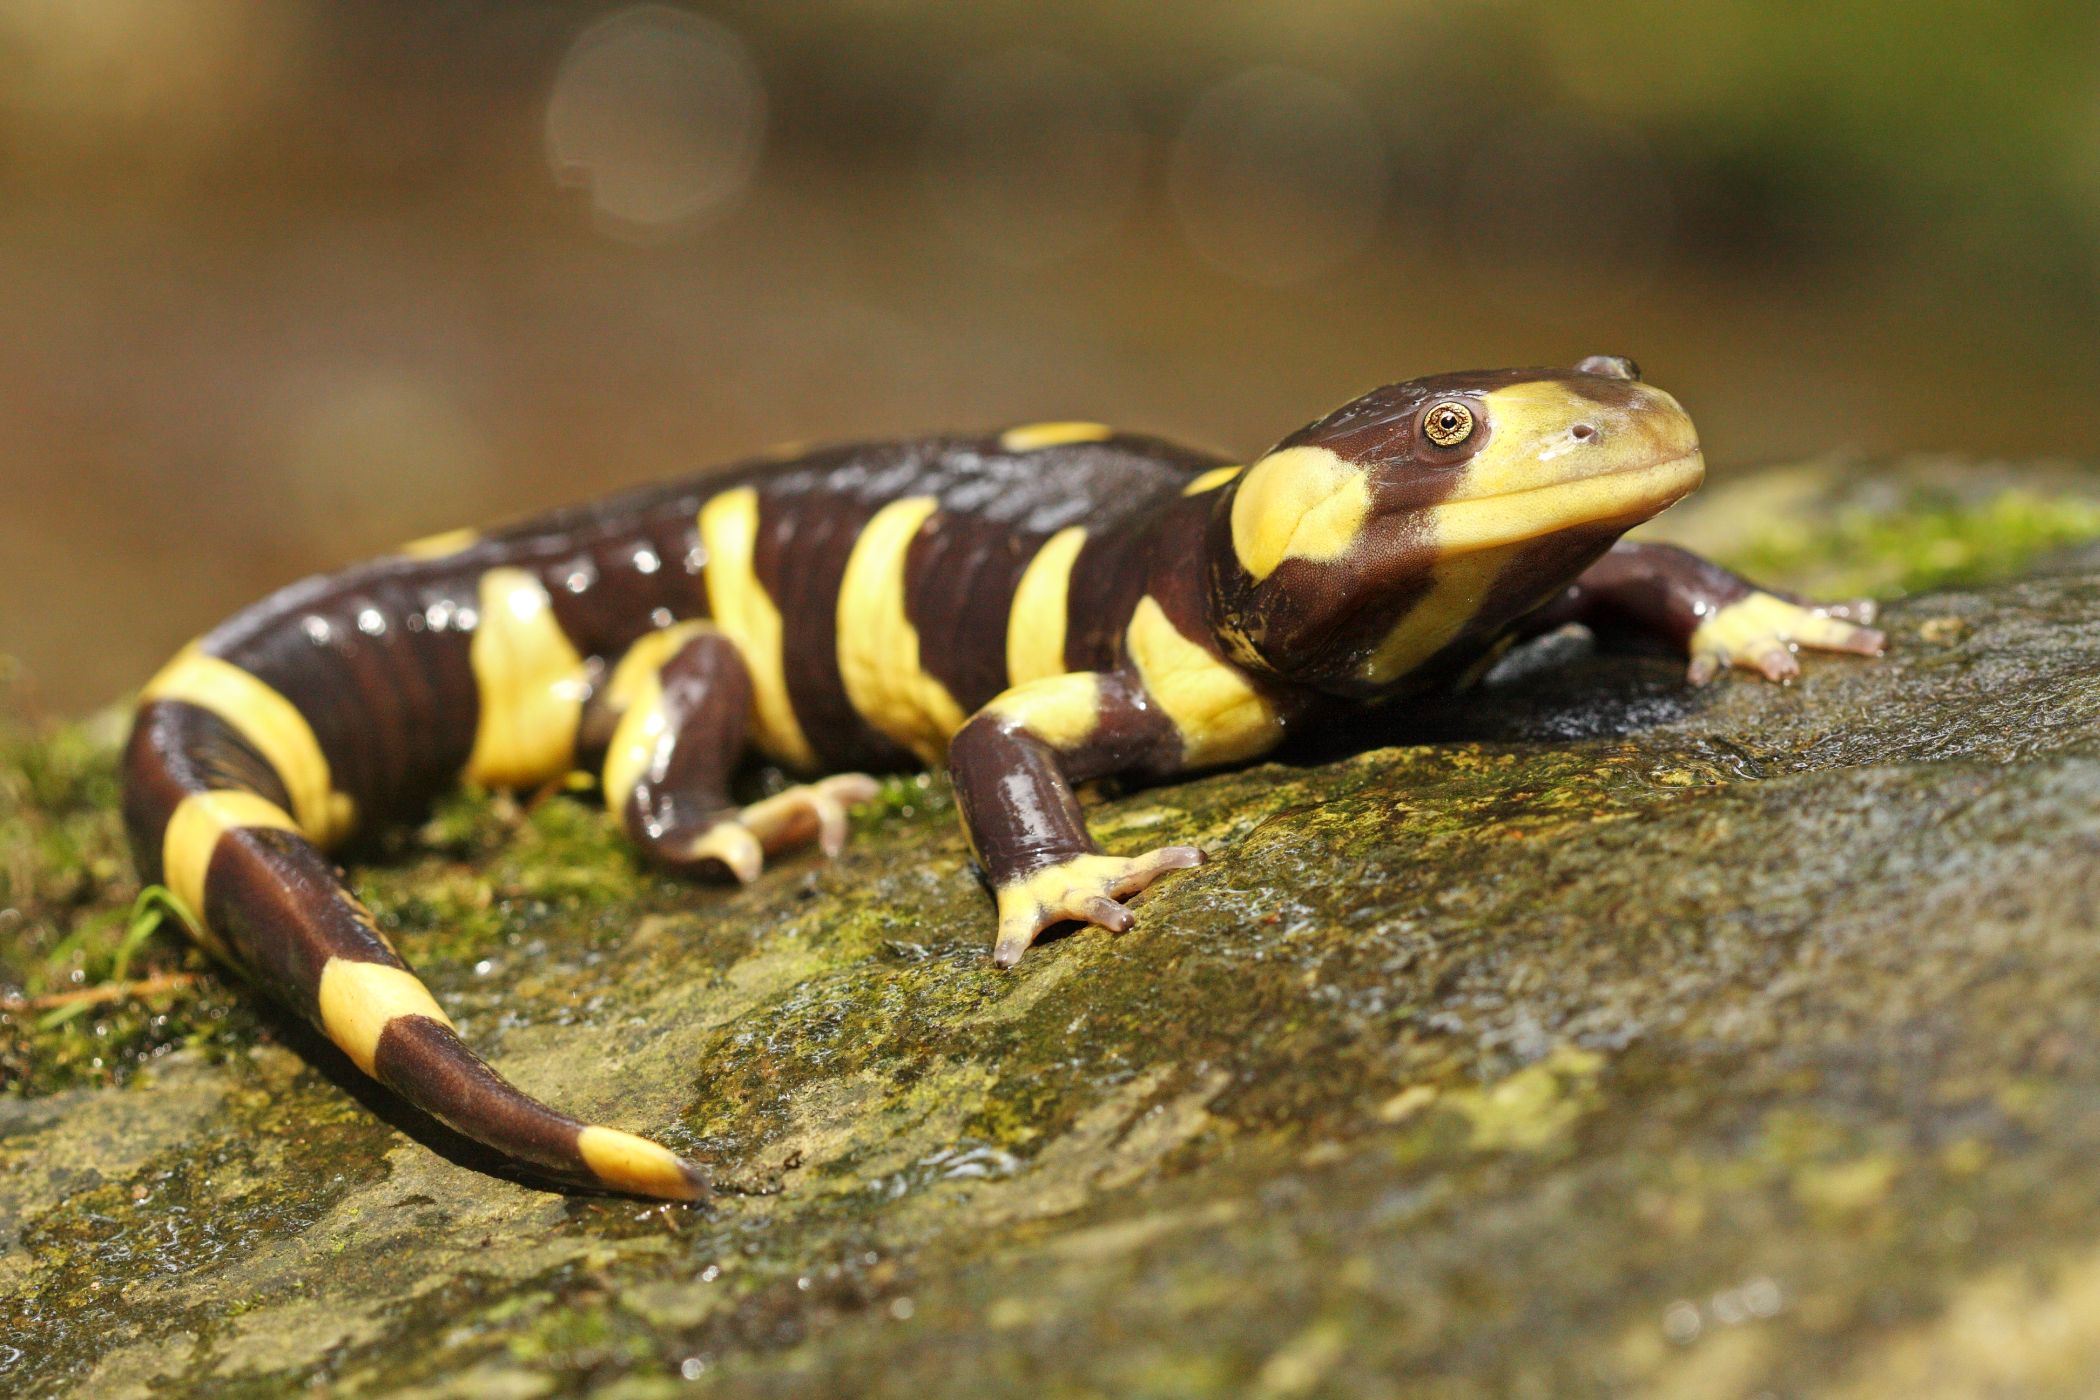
{"x":212,"y":817}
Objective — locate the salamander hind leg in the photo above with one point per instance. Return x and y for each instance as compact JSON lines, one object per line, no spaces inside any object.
{"x":681,"y":696}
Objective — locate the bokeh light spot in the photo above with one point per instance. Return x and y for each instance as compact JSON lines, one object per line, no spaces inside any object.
{"x":1278,"y":176}
{"x":1031,"y":157}
{"x":660,"y":114}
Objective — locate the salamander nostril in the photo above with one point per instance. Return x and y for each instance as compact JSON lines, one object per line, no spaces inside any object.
{"x":1584,"y":431}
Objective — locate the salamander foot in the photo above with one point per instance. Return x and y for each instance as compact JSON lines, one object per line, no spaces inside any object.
{"x":814,"y":811}
{"x":1085,"y":889}
{"x":1763,"y":632}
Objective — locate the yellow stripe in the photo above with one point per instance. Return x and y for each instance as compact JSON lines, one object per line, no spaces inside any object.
{"x":1300,"y":503}
{"x":532,"y":685}
{"x":193,"y":834}
{"x":1211,"y":480}
{"x":644,"y":659}
{"x":635,"y":693}
{"x":272,"y":725}
{"x":1485,"y":522}
{"x":1035,"y":625}
{"x":635,"y":1164}
{"x":1457,"y":587}
{"x":1534,"y":477}
{"x":636,"y":740}
{"x":439,"y":545}
{"x":741,"y":608}
{"x":1030,"y":437}
{"x":359,"y":998}
{"x":878,"y":646}
{"x":1221,"y":716}
{"x":1062,"y":711}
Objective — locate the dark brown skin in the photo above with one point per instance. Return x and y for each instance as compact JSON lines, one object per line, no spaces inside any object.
{"x":1182,"y":649}
{"x":706,"y":694}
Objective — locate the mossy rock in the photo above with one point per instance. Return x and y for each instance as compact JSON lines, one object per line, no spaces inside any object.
{"x":1593,"y":1037}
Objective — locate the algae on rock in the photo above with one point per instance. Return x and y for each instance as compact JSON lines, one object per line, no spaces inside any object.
{"x":1601,"y":1037}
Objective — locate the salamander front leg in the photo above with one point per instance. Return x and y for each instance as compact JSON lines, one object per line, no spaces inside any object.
{"x":1719,"y":618}
{"x":681,"y":696}
{"x":1014,"y":764}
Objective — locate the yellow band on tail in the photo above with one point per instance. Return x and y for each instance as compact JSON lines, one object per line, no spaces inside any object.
{"x":273,"y":725}
{"x":358,"y":999}
{"x":629,"y":1163}
{"x":193,"y":834}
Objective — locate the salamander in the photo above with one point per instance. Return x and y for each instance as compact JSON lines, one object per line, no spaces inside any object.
{"x":1034,"y":608}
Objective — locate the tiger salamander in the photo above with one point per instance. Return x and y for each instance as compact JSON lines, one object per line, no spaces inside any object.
{"x":1035,"y":609}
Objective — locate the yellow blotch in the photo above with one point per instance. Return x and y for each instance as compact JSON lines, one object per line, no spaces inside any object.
{"x":1030,"y":437}
{"x":1062,"y":887}
{"x":635,"y":677}
{"x":439,"y":545}
{"x":272,"y":725}
{"x":1211,"y":480}
{"x":1457,"y":588}
{"x":1487,"y":522}
{"x":358,"y":999}
{"x":1035,"y":624}
{"x":531,"y":681}
{"x":193,"y":834}
{"x":1532,"y":442}
{"x":746,"y":615}
{"x":1220,"y":714}
{"x":1068,"y":889}
{"x":1062,"y":711}
{"x":878,"y":646}
{"x":636,"y":1164}
{"x":1300,"y":503}
{"x":635,"y":694}
{"x":1536,"y":477}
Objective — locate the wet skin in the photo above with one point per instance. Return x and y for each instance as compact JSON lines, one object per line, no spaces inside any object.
{"x":1036,"y":608}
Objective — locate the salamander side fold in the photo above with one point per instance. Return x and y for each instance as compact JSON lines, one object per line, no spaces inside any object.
{"x":1034,"y":608}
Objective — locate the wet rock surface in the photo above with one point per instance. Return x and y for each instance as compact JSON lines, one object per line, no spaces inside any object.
{"x":1593,"y":1036}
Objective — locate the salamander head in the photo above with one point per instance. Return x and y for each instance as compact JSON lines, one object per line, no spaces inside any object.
{"x":1370,"y":551}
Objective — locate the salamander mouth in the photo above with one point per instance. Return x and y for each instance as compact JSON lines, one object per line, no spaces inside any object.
{"x":1620,"y":493}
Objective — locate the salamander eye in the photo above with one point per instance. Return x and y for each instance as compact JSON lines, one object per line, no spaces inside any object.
{"x":1448,"y":424}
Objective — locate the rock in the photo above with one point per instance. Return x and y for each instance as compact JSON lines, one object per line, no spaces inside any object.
{"x":1619,"y":1038}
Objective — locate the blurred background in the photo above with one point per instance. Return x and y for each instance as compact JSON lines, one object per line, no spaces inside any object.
{"x":284,"y":282}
